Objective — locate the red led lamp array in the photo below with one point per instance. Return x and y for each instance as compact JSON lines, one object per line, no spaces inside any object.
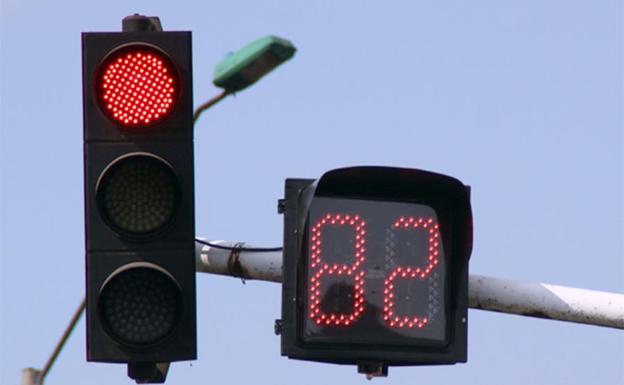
{"x":137,"y":87}
{"x":356,"y":273}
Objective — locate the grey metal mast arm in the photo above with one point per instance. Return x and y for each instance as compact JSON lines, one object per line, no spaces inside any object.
{"x":486,"y":293}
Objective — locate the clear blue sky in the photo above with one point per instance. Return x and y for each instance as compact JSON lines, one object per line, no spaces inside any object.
{"x":522,"y":100}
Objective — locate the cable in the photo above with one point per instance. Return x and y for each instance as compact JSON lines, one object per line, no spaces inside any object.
{"x":248,"y":249}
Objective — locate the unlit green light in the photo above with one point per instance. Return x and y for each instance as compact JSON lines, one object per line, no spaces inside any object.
{"x":140,"y":306}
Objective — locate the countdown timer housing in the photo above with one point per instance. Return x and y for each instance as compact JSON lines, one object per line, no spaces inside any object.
{"x":376,"y":267}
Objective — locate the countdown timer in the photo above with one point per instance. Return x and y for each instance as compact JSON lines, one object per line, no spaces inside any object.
{"x":375,"y":268}
{"x":375,"y":273}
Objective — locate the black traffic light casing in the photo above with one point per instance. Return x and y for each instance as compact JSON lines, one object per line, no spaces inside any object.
{"x":152,"y":164}
{"x":364,"y":337}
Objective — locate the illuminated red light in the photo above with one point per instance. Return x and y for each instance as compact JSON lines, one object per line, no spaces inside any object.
{"x":137,"y":86}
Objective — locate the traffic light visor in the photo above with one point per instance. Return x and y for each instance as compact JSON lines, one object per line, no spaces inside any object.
{"x":137,"y":86}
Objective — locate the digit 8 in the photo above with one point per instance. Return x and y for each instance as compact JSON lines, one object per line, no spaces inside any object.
{"x":319,"y":268}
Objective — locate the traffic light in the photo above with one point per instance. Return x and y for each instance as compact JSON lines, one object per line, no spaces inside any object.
{"x":375,"y":268}
{"x":139,"y":196}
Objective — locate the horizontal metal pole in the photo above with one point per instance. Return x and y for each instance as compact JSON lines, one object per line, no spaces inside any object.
{"x":547,"y":301}
{"x":265,"y":266}
{"x":485,"y":293}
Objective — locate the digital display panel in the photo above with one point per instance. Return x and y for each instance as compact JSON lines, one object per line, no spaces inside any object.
{"x":375,"y":273}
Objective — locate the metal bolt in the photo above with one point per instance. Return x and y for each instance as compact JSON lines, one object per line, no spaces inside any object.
{"x":278,"y":327}
{"x":281,"y":206}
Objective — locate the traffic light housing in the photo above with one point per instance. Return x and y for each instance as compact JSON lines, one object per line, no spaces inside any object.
{"x":375,"y":269}
{"x":139,"y":196}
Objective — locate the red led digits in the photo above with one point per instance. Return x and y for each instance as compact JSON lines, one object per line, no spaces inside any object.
{"x":355,"y":272}
{"x":432,"y":228}
{"x":352,"y":271}
{"x":137,"y":86}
